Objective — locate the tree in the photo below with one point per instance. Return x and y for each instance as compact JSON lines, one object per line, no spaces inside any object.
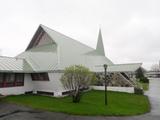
{"x":75,"y":79}
{"x":139,"y":73}
{"x":141,"y":77}
{"x":155,"y":67}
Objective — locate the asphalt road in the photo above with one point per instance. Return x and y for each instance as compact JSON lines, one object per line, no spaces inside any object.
{"x":16,"y":112}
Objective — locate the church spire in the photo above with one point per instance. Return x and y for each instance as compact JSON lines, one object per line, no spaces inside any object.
{"x":100,"y":47}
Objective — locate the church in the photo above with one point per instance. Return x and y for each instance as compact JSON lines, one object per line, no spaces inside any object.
{"x":39,"y":68}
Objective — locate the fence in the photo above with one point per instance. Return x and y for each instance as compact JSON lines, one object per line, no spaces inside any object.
{"x":119,"y":89}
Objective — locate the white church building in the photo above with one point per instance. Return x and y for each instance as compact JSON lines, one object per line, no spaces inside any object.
{"x":39,"y":68}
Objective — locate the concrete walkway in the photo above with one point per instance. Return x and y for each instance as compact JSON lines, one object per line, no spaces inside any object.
{"x":154,"y":95}
{"x":16,"y":112}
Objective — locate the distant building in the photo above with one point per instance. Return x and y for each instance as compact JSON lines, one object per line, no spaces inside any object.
{"x":155,"y":71}
{"x":153,"y":74}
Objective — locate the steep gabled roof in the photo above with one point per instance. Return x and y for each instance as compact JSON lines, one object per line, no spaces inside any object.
{"x":38,"y":37}
{"x":62,"y":39}
{"x":69,"y":51}
{"x":56,"y":37}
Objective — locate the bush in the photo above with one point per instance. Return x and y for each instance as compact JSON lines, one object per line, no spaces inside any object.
{"x":76,"y":78}
{"x":144,"y":80}
{"x":138,"y":91}
{"x":139,"y":73}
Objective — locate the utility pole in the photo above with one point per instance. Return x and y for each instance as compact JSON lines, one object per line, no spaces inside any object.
{"x":105,"y":77}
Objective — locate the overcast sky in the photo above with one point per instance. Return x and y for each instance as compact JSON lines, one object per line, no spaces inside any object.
{"x":130,"y":28}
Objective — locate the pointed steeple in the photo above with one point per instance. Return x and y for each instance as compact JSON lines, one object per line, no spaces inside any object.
{"x":100,"y":47}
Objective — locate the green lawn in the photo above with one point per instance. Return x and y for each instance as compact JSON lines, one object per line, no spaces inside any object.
{"x":92,"y":103}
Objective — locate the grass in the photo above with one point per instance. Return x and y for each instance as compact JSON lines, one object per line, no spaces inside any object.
{"x":92,"y":103}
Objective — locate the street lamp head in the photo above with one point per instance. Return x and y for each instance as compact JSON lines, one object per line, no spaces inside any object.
{"x":105,"y":66}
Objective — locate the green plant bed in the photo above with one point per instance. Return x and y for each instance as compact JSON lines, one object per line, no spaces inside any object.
{"x":92,"y":103}
{"x":145,"y":86}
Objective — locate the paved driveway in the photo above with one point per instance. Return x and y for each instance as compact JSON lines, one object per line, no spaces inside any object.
{"x":154,"y":95}
{"x":16,"y":112}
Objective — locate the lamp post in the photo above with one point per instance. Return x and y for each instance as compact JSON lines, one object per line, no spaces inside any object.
{"x":105,"y":78}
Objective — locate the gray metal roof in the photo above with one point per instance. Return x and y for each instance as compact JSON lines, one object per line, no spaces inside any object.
{"x":131,"y":67}
{"x":42,"y":58}
{"x":10,"y":64}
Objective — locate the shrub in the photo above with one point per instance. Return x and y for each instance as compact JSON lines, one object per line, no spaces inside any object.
{"x":138,"y":91}
{"x":144,"y":80}
{"x":76,"y":78}
{"x":139,"y":73}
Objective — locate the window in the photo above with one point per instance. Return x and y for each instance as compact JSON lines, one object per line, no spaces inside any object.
{"x":1,"y":79}
{"x":11,"y":79}
{"x":39,"y":76}
{"x":19,"y":79}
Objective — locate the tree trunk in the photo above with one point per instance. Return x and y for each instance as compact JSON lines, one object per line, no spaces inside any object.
{"x":76,"y":96}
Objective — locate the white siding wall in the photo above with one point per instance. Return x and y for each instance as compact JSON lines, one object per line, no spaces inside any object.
{"x":57,"y":85}
{"x":28,"y":83}
{"x":28,"y":86}
{"x":119,"y":89}
{"x":54,"y":85}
